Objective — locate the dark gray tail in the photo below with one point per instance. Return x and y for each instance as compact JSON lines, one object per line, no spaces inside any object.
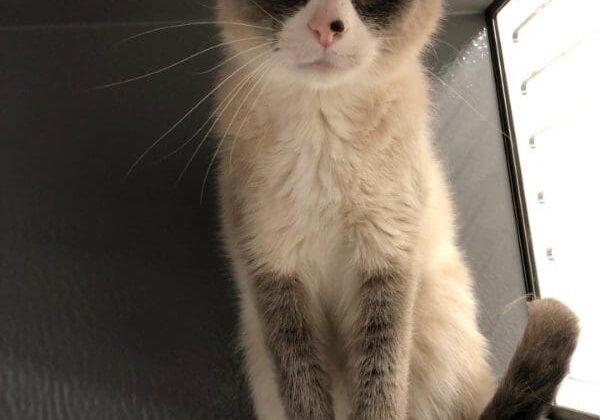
{"x":539,"y":364}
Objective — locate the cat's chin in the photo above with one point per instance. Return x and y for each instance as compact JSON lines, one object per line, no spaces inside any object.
{"x":324,"y":74}
{"x":322,"y":66}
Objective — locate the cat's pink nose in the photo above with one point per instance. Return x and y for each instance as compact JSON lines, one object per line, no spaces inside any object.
{"x":325,"y":30}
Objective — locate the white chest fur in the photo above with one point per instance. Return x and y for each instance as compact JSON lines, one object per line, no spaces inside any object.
{"x":303,"y":179}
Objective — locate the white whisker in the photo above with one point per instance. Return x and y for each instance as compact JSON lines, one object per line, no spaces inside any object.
{"x":192,"y":23}
{"x":222,"y":63}
{"x":206,"y":6}
{"x":509,"y":306}
{"x":170,"y":66}
{"x":212,"y":161}
{"x":467,"y":103}
{"x":451,"y":46}
{"x":190,"y":160}
{"x":186,"y":115}
{"x":237,"y":134}
{"x":223,"y":104}
{"x":267,"y":13}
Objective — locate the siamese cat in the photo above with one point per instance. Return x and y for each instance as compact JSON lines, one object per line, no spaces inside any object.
{"x":355,"y":299}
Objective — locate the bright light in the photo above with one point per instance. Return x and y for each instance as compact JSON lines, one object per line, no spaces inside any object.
{"x":551,"y":52}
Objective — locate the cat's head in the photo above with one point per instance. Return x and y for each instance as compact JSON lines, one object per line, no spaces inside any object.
{"x":327,"y":42}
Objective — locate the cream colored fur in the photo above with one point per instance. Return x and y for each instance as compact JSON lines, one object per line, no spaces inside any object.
{"x":321,"y":182}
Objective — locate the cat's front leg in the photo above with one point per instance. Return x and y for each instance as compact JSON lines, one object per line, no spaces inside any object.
{"x":381,"y":346}
{"x":290,"y":337}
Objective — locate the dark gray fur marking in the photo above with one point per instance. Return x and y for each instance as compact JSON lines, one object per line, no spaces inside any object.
{"x":539,"y":364}
{"x":378,"y":341}
{"x":302,"y":381}
{"x":273,"y":12}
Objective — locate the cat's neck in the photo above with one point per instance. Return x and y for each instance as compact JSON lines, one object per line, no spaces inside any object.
{"x":354,"y":106}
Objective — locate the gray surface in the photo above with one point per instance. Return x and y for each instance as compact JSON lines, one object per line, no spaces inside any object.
{"x":471,"y":144}
{"x":115,"y":302}
{"x":468,"y":6}
{"x":36,"y":12}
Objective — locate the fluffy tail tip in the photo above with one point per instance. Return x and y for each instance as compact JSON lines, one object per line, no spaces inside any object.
{"x":539,"y":364}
